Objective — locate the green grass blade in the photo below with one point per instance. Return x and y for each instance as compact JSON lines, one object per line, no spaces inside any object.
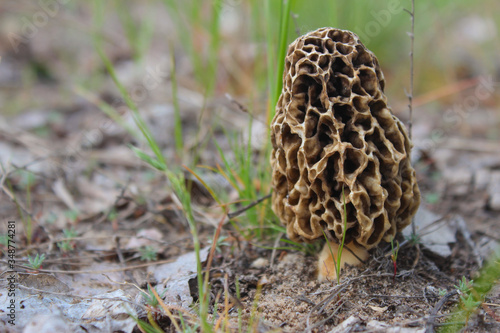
{"x":214,"y":47}
{"x":130,"y":103}
{"x":107,"y":109}
{"x":283,"y":45}
{"x":179,"y":143}
{"x":337,"y":267}
{"x":148,"y":159}
{"x":275,"y":65}
{"x":271,"y":73}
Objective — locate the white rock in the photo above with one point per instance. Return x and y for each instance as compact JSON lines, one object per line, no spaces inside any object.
{"x":458,"y":181}
{"x":481,"y":179}
{"x":111,"y":315}
{"x":347,"y":325}
{"x":435,"y":232}
{"x":383,"y":327}
{"x":47,"y":324}
{"x":177,"y":275}
{"x":260,"y":263}
{"x":494,"y":203}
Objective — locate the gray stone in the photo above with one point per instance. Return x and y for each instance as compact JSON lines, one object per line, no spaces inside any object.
{"x":481,"y":179}
{"x":494,"y":203}
{"x":494,"y":191}
{"x":47,"y":324}
{"x":435,"y":232}
{"x":458,"y":181}
{"x":176,"y":276}
{"x":347,"y":325}
{"x":377,"y":326}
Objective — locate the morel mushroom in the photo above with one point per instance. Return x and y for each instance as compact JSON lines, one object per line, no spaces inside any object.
{"x":333,"y":133}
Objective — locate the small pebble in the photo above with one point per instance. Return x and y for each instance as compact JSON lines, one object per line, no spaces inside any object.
{"x":495,"y":202}
{"x":260,"y":263}
{"x":481,"y":179}
{"x":494,"y":191}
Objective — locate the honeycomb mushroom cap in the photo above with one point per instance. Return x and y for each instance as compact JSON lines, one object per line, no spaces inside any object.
{"x":332,"y":131}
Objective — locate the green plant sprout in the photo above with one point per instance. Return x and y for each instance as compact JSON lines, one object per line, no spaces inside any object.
{"x":470,"y":305}
{"x":51,"y":218}
{"x":473,"y":293}
{"x":187,"y":328}
{"x":70,"y":233}
{"x":219,"y":243}
{"x":467,"y":302}
{"x":148,"y":253}
{"x":72,"y":215}
{"x":394,"y":257}
{"x":27,"y":179}
{"x":150,"y":298}
{"x":432,"y":198}
{"x":153,"y":310}
{"x":147,"y":328}
{"x":68,"y":244}
{"x":4,"y":240}
{"x":65,"y":246}
{"x":414,"y":239}
{"x":113,"y":214}
{"x":464,"y":286}
{"x":36,"y":262}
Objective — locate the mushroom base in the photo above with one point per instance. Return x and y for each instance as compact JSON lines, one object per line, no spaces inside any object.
{"x":326,"y":264}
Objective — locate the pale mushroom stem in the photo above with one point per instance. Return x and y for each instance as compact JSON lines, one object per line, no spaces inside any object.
{"x":326,"y":265}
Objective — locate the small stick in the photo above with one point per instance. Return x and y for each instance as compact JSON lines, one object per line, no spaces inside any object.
{"x":276,"y":243}
{"x":492,"y":314}
{"x":240,"y":106}
{"x":244,"y":209}
{"x":113,"y":270}
{"x":410,"y":104}
{"x":412,"y":40}
{"x":430,"y":323}
{"x":85,"y":297}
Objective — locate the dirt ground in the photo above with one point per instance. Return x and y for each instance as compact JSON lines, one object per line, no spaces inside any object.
{"x":371,"y":299}
{"x":109,"y":225}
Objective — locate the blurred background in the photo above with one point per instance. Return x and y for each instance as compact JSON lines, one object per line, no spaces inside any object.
{"x":205,"y":75}
{"x":97,"y":96}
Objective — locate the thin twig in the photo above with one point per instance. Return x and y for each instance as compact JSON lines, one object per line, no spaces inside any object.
{"x":398,"y":296}
{"x":275,"y":246}
{"x":430,"y":322}
{"x":121,"y":269}
{"x":114,"y":299}
{"x":320,"y":307}
{"x":122,"y":263}
{"x":410,"y":105}
{"x":240,"y":106}
{"x":492,"y":314}
{"x":244,"y":209}
{"x":412,"y":40}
